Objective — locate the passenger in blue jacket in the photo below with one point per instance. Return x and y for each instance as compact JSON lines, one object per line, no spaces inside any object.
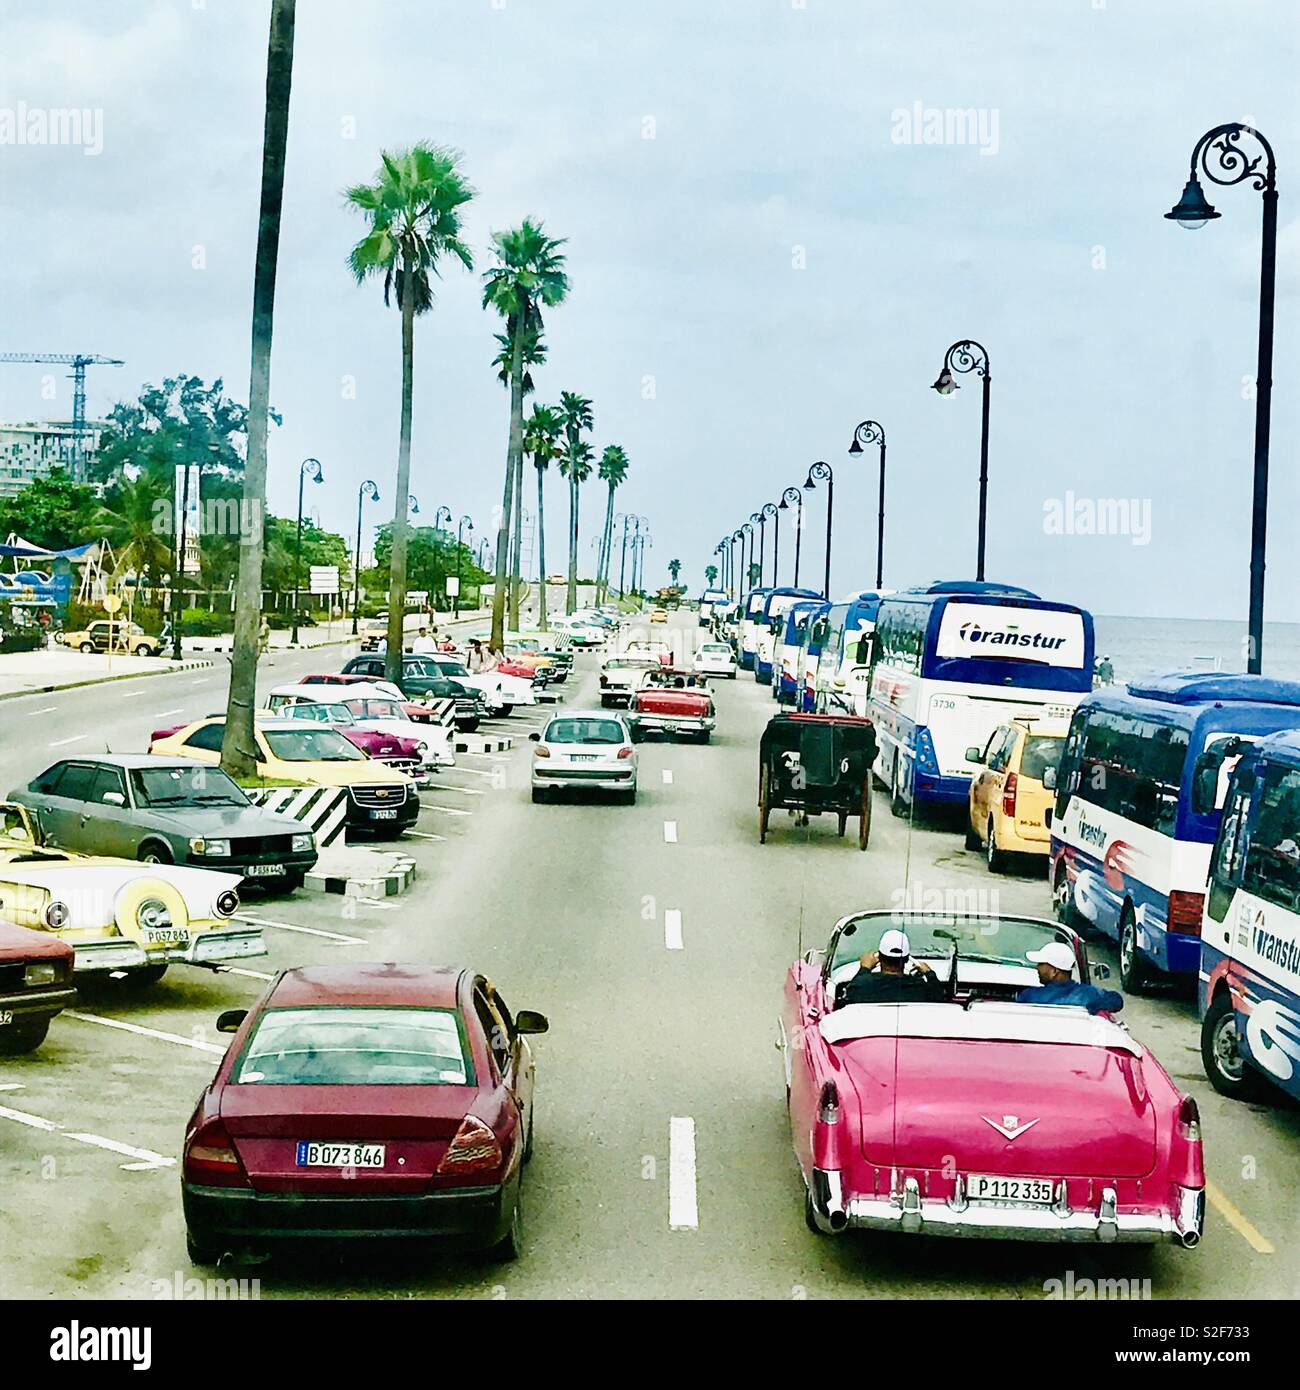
{"x":1057,"y":985}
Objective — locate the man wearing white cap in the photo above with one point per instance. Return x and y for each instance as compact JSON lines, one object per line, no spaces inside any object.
{"x":1057,"y":985}
{"x":890,"y":976}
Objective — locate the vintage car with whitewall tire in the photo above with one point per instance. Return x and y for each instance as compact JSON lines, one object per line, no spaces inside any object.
{"x":35,"y":985}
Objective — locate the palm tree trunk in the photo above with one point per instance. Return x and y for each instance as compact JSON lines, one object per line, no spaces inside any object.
{"x":541,"y":552}
{"x":402,"y":506}
{"x":514,"y":452}
{"x":238,"y":746}
{"x":571,"y":595}
{"x":517,"y":558}
{"x":608,"y":542}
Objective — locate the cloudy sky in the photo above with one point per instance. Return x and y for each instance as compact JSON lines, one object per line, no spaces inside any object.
{"x":759,"y":259}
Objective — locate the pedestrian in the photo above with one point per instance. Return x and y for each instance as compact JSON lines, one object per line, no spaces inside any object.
{"x":1057,"y":985}
{"x":424,"y":643}
{"x":476,"y":657}
{"x":1105,"y":671}
{"x":264,"y":636}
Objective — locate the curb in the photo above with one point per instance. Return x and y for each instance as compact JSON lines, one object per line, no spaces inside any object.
{"x":105,"y":680}
{"x":478,"y":743}
{"x":382,"y":886}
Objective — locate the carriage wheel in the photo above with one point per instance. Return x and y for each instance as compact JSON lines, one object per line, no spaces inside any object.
{"x":844,"y":821}
{"x":764,"y":807}
{"x":864,"y":818}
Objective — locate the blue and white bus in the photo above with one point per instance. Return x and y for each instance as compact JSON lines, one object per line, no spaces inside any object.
{"x":787,"y":658}
{"x":1139,"y":793}
{"x":841,"y":681}
{"x":951,"y":662}
{"x":708,"y":600}
{"x":1249,"y":989}
{"x":751,"y":616}
{"x":768,"y":631}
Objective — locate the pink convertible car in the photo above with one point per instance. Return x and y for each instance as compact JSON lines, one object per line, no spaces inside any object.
{"x":970,"y":1114}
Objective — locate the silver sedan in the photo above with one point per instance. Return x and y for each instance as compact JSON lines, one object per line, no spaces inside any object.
{"x":586,"y":749}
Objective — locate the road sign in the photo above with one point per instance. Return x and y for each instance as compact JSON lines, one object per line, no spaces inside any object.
{"x":325,"y":579}
{"x":453,"y":586}
{"x":112,"y":602}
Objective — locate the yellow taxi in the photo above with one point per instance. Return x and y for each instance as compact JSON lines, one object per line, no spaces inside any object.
{"x":1008,"y":802}
{"x":380,"y":798}
{"x":658,"y":615}
{"x":122,"y":636}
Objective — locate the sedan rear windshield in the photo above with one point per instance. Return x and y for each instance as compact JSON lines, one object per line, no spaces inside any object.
{"x":1040,"y":753}
{"x":585,"y":731}
{"x":377,"y":709}
{"x":312,"y":746}
{"x":356,"y":1047}
{"x":716,"y":648}
{"x":184,"y":786}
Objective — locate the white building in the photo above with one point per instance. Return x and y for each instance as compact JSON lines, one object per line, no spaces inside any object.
{"x":31,"y":450}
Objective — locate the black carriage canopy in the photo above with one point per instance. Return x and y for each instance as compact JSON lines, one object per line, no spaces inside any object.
{"x":830,"y":749}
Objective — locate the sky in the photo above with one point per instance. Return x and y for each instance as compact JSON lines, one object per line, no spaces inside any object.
{"x":761,"y":256}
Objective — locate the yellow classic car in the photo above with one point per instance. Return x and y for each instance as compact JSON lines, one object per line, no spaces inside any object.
{"x":124,"y":636}
{"x":116,"y":914}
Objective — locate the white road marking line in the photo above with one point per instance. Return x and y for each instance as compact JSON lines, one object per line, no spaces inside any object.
{"x":163,"y":713}
{"x":668,"y":777}
{"x":49,"y":709}
{"x":460,"y":791}
{"x":472,"y":771}
{"x":306,"y":931}
{"x":424,"y":835}
{"x":673,"y":929}
{"x":670,"y":832}
{"x":683,"y":1211}
{"x":145,"y":1032}
{"x":13,"y":1086}
{"x":60,"y":742}
{"x":446,"y":810}
{"x":489,"y":757}
{"x":132,"y":694}
{"x":146,"y":1158}
{"x":251,"y":974}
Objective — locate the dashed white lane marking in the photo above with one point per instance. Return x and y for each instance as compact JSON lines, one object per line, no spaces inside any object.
{"x":306,"y":931}
{"x":471,"y":771}
{"x":145,"y":1032}
{"x":424,"y":835}
{"x":461,"y":791}
{"x":668,"y":777}
{"x":670,"y":832}
{"x":49,"y":709}
{"x":673,"y":929}
{"x":145,"y":1158}
{"x":61,"y":742}
{"x":163,"y":713}
{"x":132,"y":694}
{"x":446,"y":810}
{"x":683,"y":1210}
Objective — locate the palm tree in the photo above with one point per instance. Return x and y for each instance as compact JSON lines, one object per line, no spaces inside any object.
{"x":529,"y":274}
{"x":674,"y":569}
{"x":711,"y":575}
{"x":238,"y":745}
{"x":414,"y":208}
{"x":575,"y":464}
{"x":541,"y":436}
{"x":613,"y":472}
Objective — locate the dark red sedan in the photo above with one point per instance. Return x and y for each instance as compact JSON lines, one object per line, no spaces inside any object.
{"x":376,"y":1100}
{"x":35,"y":984}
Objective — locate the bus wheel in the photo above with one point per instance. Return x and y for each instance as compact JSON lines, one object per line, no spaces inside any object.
{"x":1229,"y":1072}
{"x":1134,"y":973}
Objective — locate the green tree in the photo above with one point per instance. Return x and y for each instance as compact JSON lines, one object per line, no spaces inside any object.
{"x":414,"y":209}
{"x":674,"y":569}
{"x":51,"y":511}
{"x":711,"y":575}
{"x":528,"y":275}
{"x":541,"y":442}
{"x":238,"y":747}
{"x":575,"y":465}
{"x":613,"y":473}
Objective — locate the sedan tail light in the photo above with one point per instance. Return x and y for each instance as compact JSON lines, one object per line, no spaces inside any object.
{"x":210,"y":1159}
{"x":625,"y":751}
{"x":828,"y":1106}
{"x":541,"y":751}
{"x":474,"y":1149}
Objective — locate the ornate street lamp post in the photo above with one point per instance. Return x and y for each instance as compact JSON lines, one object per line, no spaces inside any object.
{"x":310,"y":468}
{"x":870,"y":432}
{"x":970,"y":356}
{"x":366,"y":490}
{"x":466,"y":524}
{"x":770,"y":509}
{"x":793,"y":494}
{"x":822,"y":472}
{"x":1220,"y":157}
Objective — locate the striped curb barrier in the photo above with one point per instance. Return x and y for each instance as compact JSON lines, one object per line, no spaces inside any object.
{"x":323,"y":810}
{"x":395,"y":878}
{"x":480,"y":743}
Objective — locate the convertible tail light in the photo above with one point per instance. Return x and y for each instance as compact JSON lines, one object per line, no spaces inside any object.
{"x":210,"y":1159}
{"x":1185,"y":912}
{"x":625,"y":751}
{"x":1189,"y":1121}
{"x":828,"y":1106}
{"x":1009,"y":797}
{"x":474,"y":1149}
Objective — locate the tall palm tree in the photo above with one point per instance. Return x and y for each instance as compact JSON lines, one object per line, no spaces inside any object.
{"x":575,"y":465}
{"x":711,"y":575}
{"x":238,"y":746}
{"x":541,"y":438}
{"x":529,"y":275}
{"x":414,"y":209}
{"x":612,"y":472}
{"x":674,"y":569}
{"x":534,"y":354}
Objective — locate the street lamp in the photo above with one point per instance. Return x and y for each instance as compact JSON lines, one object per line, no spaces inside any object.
{"x":870,"y":432}
{"x":821,"y":470}
{"x":622,"y":556}
{"x":643,"y":539}
{"x":465,"y":523}
{"x":770,"y":509}
{"x":367,"y":489}
{"x":412,"y":504}
{"x":748,"y":529}
{"x":737,"y":570}
{"x":310,"y":469}
{"x":970,"y":356}
{"x":1223,"y":162}
{"x":793,"y":494}
{"x":439,"y":515}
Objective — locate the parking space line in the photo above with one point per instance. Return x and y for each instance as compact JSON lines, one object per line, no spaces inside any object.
{"x":683,"y":1208}
{"x":487,"y":757}
{"x":460,"y":791}
{"x":145,"y":1032}
{"x":424,"y":835}
{"x":1261,"y":1245}
{"x":670,"y":832}
{"x":61,"y":742}
{"x":145,"y":1158}
{"x":305,"y":931}
{"x":673,"y":929}
{"x":446,"y":810}
{"x":49,"y":709}
{"x":239,"y":970}
{"x":472,"y":771}
{"x":668,"y":777}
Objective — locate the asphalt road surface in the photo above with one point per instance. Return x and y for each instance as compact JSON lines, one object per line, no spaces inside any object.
{"x":655,"y":937}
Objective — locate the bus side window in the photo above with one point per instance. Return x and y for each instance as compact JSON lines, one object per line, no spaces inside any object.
{"x":1270,"y":863}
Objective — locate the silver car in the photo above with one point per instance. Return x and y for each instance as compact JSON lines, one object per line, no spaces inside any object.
{"x":584,"y":748}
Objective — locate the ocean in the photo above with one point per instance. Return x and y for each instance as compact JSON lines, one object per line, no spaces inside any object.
{"x":1156,"y":646}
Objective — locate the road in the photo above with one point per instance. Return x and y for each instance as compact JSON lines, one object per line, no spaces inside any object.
{"x":663,"y":1164}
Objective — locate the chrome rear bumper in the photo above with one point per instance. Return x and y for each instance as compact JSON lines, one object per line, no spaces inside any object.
{"x":204,"y":948}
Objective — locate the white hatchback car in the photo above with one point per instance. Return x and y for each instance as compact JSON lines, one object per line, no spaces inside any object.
{"x":589,"y":749}
{"x":715,"y":659}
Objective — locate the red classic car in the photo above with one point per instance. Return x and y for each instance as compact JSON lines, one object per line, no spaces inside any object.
{"x":374,"y":1100}
{"x":434,"y":713}
{"x":669,"y":701}
{"x":35,"y":984}
{"x":971,"y":1114}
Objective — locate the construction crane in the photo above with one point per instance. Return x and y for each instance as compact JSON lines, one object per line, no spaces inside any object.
{"x":78,"y":361}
